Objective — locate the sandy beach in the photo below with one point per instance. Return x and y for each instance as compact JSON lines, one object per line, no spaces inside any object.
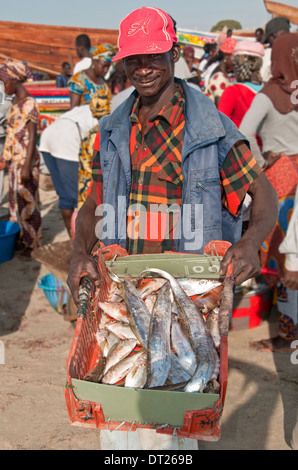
{"x":262,"y":387}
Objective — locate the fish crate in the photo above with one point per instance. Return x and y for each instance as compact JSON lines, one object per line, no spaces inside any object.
{"x":112,"y":407}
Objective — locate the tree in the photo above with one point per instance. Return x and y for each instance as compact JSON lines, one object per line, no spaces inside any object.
{"x":229,"y":24}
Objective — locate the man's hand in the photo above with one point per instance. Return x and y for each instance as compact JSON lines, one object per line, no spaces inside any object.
{"x":80,"y":266}
{"x":245,"y":260}
{"x":290,"y":279}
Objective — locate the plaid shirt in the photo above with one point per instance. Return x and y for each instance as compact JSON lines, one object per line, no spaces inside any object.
{"x":157,"y":177}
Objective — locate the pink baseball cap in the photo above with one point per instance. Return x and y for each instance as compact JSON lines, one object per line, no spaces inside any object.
{"x":145,"y":31}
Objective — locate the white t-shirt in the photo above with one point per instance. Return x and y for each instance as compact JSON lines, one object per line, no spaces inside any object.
{"x":84,"y":64}
{"x":62,"y":139}
{"x":182,"y":70}
{"x":266,"y":66}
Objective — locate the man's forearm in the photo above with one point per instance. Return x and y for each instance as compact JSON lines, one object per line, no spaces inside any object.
{"x":264,"y":210}
{"x":85,"y":236}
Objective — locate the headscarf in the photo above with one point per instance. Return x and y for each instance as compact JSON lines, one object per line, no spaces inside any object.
{"x":247,"y":60}
{"x":188,"y":50}
{"x":284,"y":70}
{"x":103,"y":52}
{"x":245,"y":66}
{"x":228,"y":45}
{"x":15,"y":70}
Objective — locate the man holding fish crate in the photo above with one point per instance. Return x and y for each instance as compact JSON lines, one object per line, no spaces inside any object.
{"x":170,"y":172}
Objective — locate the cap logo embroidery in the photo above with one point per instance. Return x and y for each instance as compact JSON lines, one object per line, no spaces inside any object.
{"x":139,"y":26}
{"x":152,"y":47}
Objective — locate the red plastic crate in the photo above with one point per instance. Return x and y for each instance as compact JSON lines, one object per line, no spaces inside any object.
{"x":250,"y":309}
{"x":200,"y":424}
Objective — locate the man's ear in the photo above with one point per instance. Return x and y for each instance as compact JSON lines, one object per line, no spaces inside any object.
{"x":176,"y":52}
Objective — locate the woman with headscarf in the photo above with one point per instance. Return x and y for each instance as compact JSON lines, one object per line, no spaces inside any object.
{"x":220,"y":78}
{"x":237,"y":98}
{"x":21,"y":153}
{"x":100,"y":106}
{"x":84,"y":84}
{"x":274,"y":114}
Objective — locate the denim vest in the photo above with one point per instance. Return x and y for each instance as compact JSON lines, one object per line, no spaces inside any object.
{"x":207,"y":138}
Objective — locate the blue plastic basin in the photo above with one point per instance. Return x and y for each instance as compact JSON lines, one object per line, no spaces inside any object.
{"x":8,"y":236}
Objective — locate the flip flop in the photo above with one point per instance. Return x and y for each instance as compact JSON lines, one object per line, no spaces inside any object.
{"x":266,"y":345}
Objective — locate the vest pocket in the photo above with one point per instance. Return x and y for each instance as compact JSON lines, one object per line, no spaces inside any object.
{"x":206,"y":192}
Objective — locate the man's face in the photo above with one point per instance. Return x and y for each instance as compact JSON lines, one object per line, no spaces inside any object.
{"x":259,"y":36}
{"x":271,"y":38}
{"x":67,"y":69}
{"x":151,"y":73}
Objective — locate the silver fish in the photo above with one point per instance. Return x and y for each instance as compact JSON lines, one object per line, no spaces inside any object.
{"x":116,"y":310}
{"x":200,"y":337}
{"x":137,"y":376}
{"x":112,"y":339}
{"x":159,"y":345}
{"x":177,"y":374}
{"x":120,"y":329}
{"x":149,"y":286}
{"x":121,"y":369}
{"x":150,"y":301}
{"x":119,"y":351}
{"x":181,"y":345}
{"x":197,"y":286}
{"x":212,"y":323}
{"x":138,"y":313}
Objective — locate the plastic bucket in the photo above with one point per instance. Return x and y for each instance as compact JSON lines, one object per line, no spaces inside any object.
{"x":8,"y":236}
{"x":54,"y":291}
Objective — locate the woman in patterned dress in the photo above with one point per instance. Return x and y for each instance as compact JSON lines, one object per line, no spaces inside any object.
{"x":21,"y":152}
{"x":274,"y":113}
{"x":221,"y":75}
{"x":83,"y":85}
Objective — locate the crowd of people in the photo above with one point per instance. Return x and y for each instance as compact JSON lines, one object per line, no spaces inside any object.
{"x":151,"y":121}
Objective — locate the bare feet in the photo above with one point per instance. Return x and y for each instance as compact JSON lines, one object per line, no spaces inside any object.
{"x":276,"y":344}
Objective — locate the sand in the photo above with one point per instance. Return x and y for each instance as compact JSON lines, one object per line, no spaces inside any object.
{"x":260,"y":405}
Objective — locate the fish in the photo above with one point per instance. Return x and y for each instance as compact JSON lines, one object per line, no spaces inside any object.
{"x":116,"y":310}
{"x":112,"y":291}
{"x":213,"y":386}
{"x":176,"y":373}
{"x":159,"y":345}
{"x":149,"y":286}
{"x":212,"y":323}
{"x":121,"y":369}
{"x":150,"y":301}
{"x":119,"y":351}
{"x":137,"y":376}
{"x":200,"y":337}
{"x":209,"y":300}
{"x":197,"y":286}
{"x":96,"y":373}
{"x":110,"y":341}
{"x":120,"y":329}
{"x":137,"y":312}
{"x":181,"y":345}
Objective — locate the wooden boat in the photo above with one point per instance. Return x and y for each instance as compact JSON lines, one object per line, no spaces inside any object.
{"x":280,"y":9}
{"x":46,"y":47}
